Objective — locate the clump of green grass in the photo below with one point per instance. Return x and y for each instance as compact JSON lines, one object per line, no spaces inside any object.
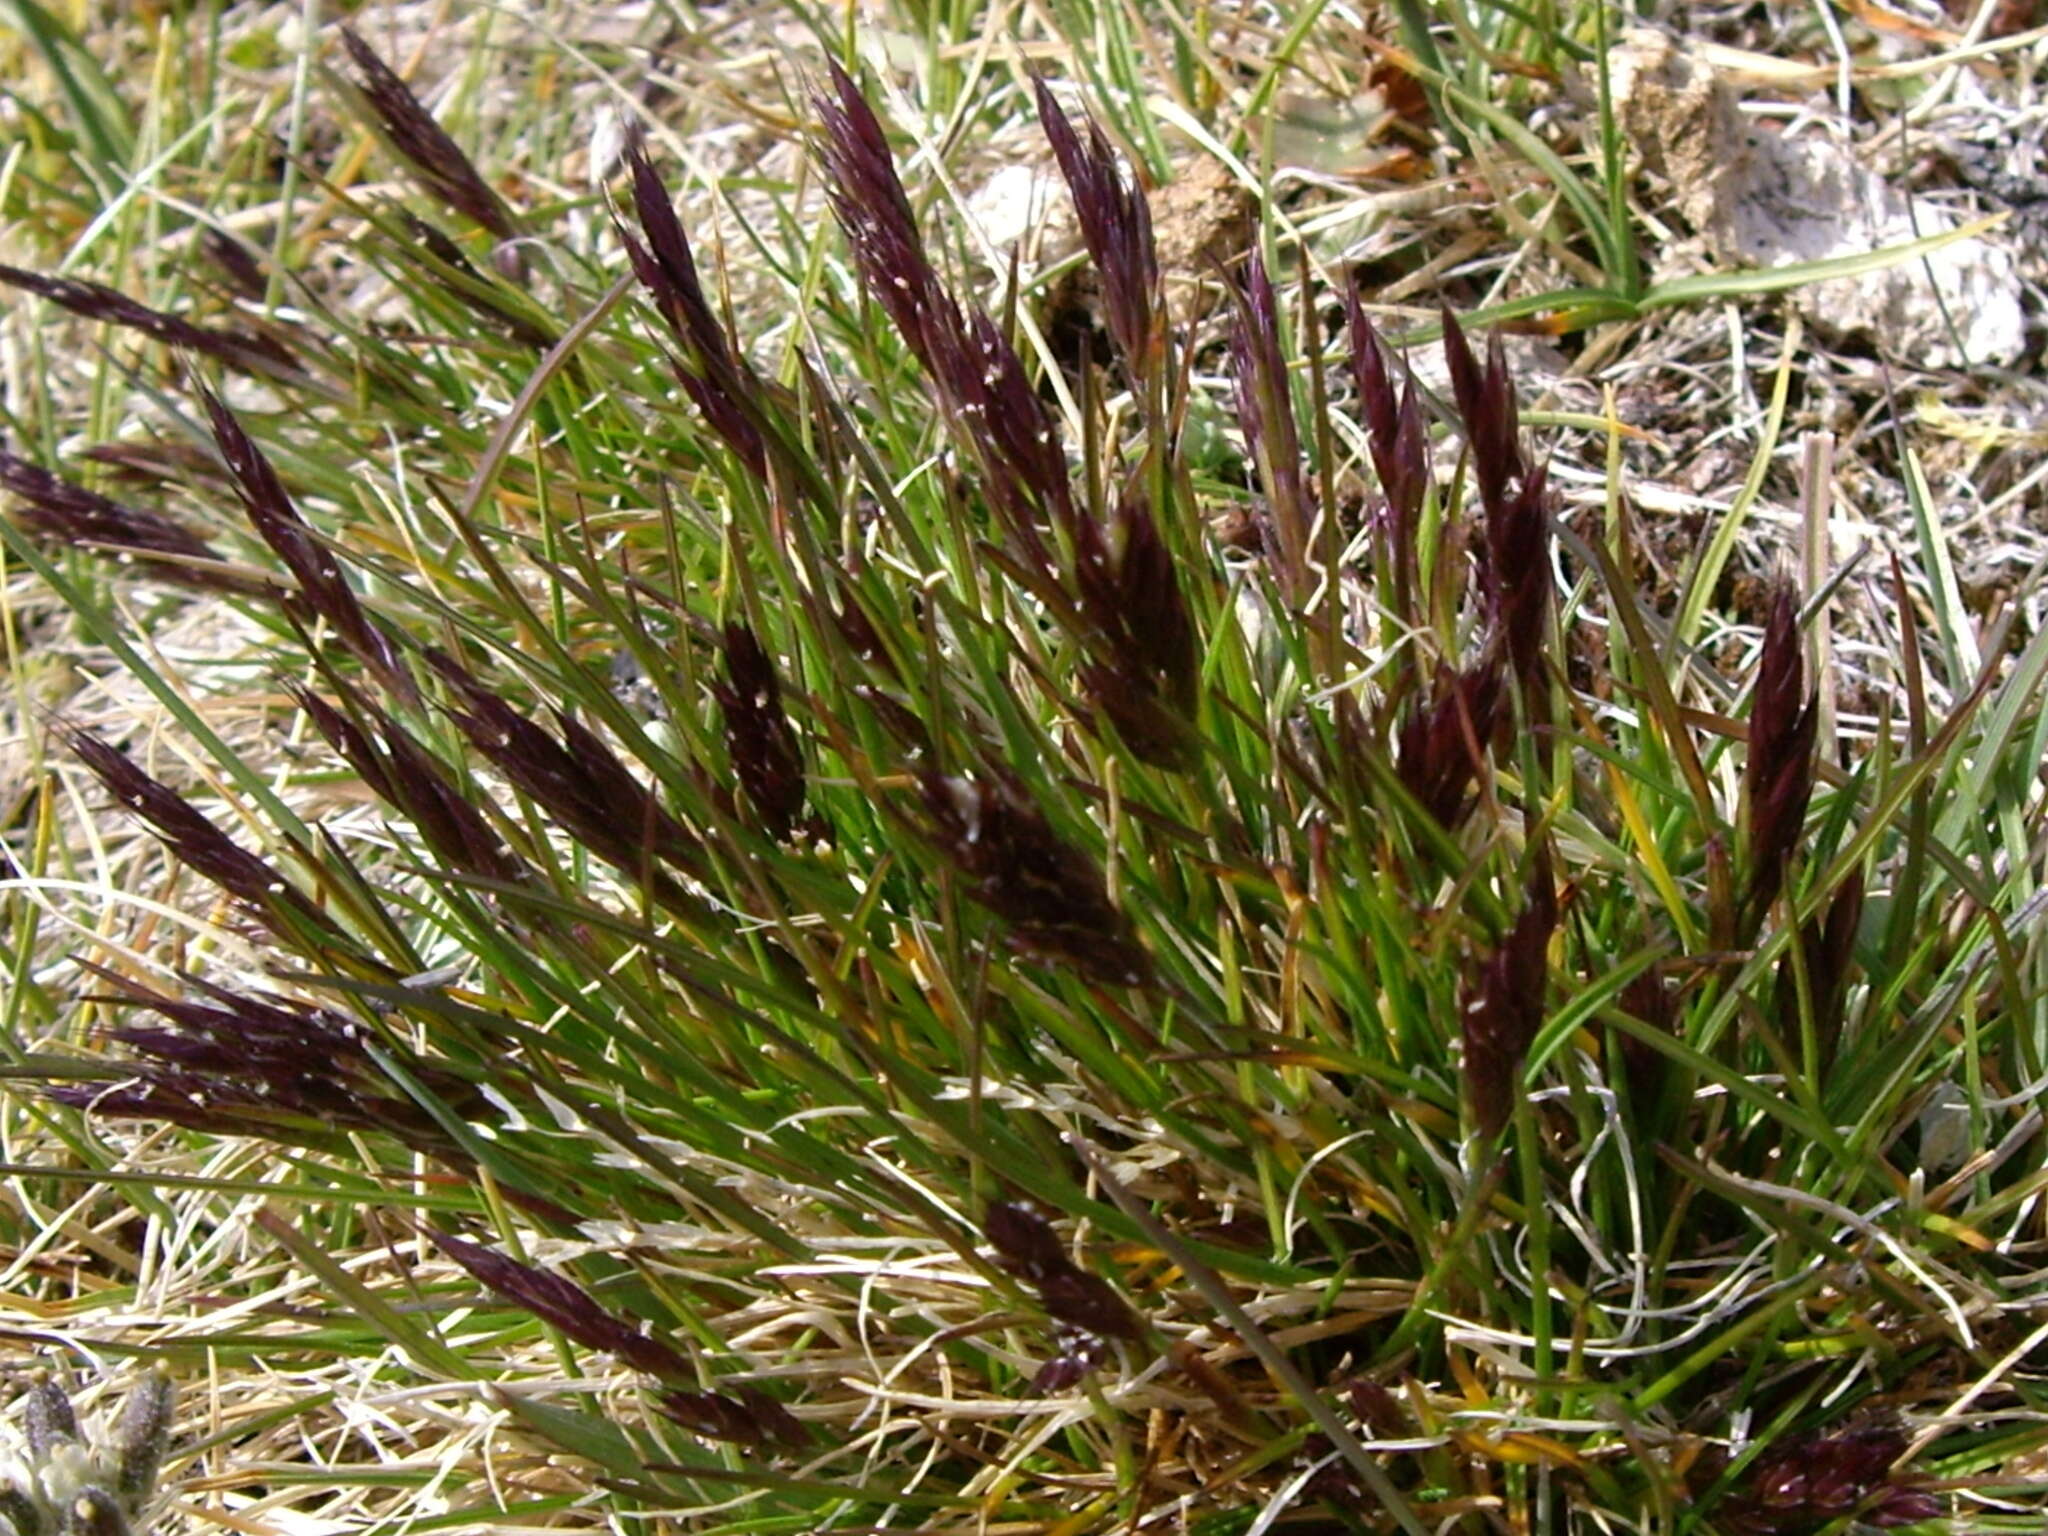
{"x":998,"y":1007}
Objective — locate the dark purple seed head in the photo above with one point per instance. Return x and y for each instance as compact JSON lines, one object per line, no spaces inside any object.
{"x":750,"y":1418}
{"x":577,"y":779}
{"x":1783,"y":718}
{"x":479,"y":294}
{"x":56,"y":510}
{"x":1116,"y":224}
{"x":1827,"y":944}
{"x":1486,"y":400}
{"x":407,"y":777}
{"x":232,"y":259}
{"x":983,"y":385}
{"x":1397,"y":438}
{"x":1026,"y":1241}
{"x":265,"y":1067}
{"x":1265,"y":414}
{"x":758,"y":736}
{"x":1815,"y":1480}
{"x":1088,"y":1302}
{"x":436,"y":159}
{"x":564,"y":1305}
{"x":1012,"y":862}
{"x":1080,"y":1353}
{"x":712,"y":372}
{"x":1071,"y":1296}
{"x":1518,"y":571}
{"x":323,"y":589}
{"x":195,"y":841}
{"x":874,"y":210}
{"x":1144,"y":663}
{"x":1502,"y":1006}
{"x":248,"y":351}
{"x":665,"y":265}
{"x":1441,"y":744}
{"x":1006,"y":417}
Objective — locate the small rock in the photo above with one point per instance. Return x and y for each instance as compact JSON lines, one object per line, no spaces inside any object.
{"x":1760,"y":199}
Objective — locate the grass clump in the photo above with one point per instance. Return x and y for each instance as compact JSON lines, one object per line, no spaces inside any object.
{"x":975,"y":967}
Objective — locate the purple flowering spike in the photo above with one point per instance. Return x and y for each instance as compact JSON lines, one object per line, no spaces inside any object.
{"x":1502,"y":1006}
{"x":436,"y":159}
{"x":872,"y":207}
{"x":323,"y":590}
{"x":1027,"y":1242}
{"x":578,"y":779}
{"x":251,"y":1065}
{"x":1486,"y":400}
{"x":566,"y":1306}
{"x":405,"y":776}
{"x":1778,"y":776}
{"x":1265,"y":413}
{"x":194,"y":840}
{"x":749,"y":1417}
{"x":981,"y":381}
{"x":718,"y":382}
{"x":1145,"y":661}
{"x":1049,"y":893}
{"x":55,"y":509}
{"x":1518,"y":571}
{"x":1116,"y":224}
{"x":758,"y":736}
{"x":248,"y":351}
{"x":1087,"y":1307}
{"x":1441,"y":745}
{"x":1814,"y":1480}
{"x":1397,"y":439}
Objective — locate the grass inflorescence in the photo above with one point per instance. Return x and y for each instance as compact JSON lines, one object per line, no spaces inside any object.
{"x":813,"y":886}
